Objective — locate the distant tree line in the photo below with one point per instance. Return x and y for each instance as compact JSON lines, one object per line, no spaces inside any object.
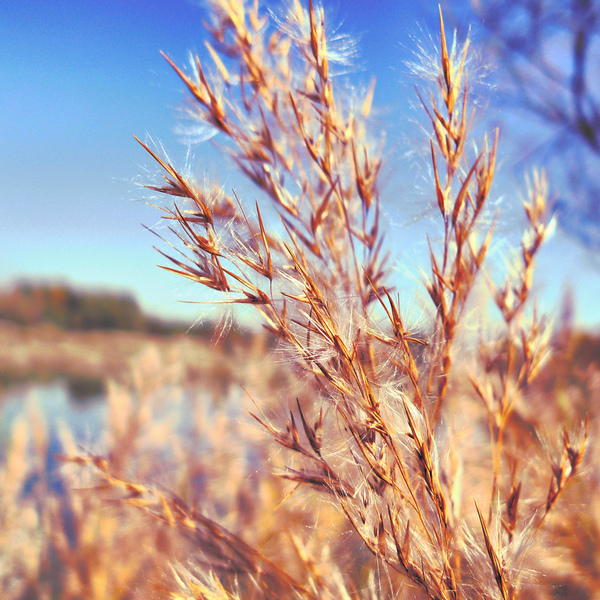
{"x":29,"y":303}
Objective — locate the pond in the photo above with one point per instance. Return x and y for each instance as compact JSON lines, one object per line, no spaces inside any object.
{"x":174,"y":419}
{"x":54,"y":405}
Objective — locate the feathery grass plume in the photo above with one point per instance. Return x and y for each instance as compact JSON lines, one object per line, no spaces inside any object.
{"x":368,"y":432}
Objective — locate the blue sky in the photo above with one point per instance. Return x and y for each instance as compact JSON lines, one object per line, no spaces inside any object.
{"x":80,"y":78}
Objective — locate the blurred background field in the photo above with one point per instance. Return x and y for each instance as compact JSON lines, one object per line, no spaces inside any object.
{"x":171,"y":408}
{"x":167,"y":402}
{"x":98,"y":356}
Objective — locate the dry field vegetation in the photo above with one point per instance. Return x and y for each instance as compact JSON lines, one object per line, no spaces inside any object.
{"x":86,"y":360}
{"x":364,"y":458}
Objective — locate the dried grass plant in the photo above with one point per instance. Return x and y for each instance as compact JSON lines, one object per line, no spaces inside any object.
{"x":370,"y":433}
{"x":407,"y":469}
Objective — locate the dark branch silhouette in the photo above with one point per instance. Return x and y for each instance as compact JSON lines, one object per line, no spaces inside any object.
{"x":549,"y":58}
